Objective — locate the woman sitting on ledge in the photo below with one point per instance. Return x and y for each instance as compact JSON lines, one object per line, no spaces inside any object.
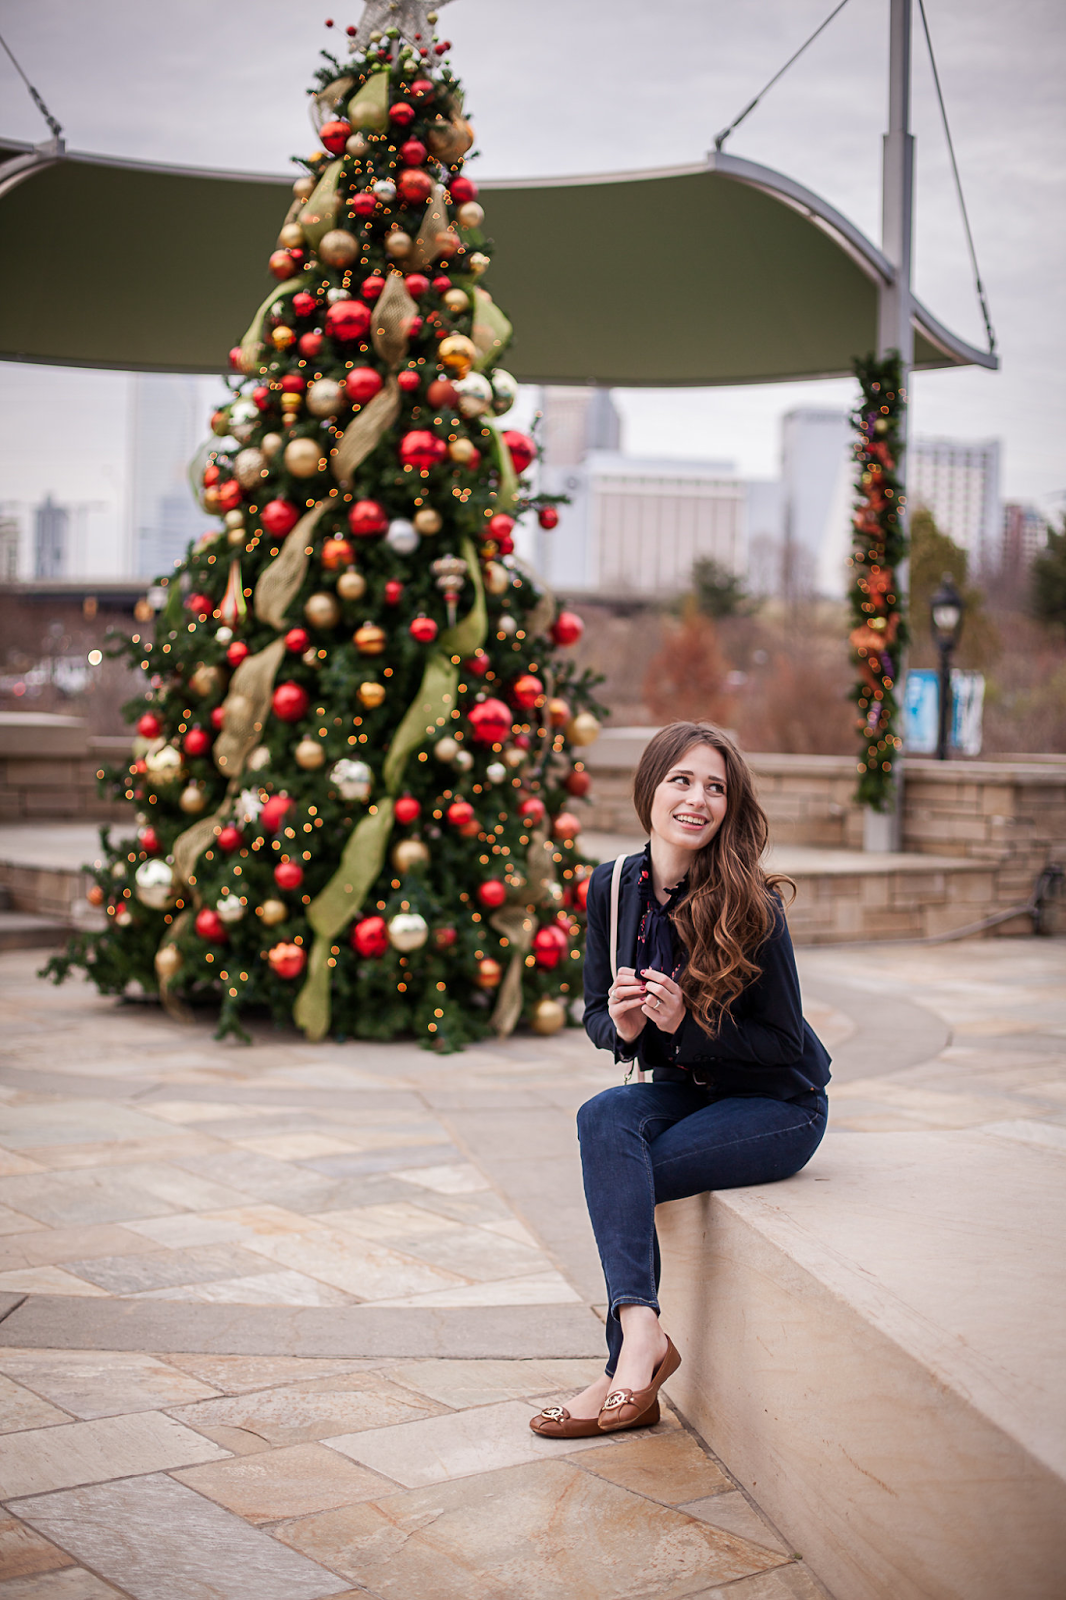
{"x":689,"y":973}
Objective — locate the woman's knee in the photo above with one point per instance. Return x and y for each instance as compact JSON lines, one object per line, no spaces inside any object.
{"x":603,"y":1111}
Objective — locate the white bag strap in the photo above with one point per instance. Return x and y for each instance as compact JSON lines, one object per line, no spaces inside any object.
{"x":616,"y":884}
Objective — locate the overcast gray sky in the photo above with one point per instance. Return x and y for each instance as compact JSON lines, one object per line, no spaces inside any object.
{"x":560,"y":86}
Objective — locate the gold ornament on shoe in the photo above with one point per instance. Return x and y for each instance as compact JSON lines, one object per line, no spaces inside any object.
{"x":616,"y":1398}
{"x":554,"y":1413}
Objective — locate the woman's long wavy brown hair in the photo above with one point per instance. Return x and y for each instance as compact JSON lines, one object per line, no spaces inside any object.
{"x":728,"y":912}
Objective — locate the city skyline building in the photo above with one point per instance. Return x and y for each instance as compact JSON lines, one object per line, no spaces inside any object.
{"x":957,"y":480}
{"x":166,"y":428}
{"x":1024,"y":535}
{"x":51,"y":524}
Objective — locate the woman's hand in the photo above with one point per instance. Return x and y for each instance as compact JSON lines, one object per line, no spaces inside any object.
{"x":664,"y":1002}
{"x":626,"y":1005}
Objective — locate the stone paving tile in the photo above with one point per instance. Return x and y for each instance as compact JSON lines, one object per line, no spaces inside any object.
{"x":73,"y":1122}
{"x":49,"y":1246}
{"x":481,"y":1208}
{"x":317,"y":1410}
{"x":452,"y":1178}
{"x":455,"y":1446}
{"x":733,"y":1512}
{"x":291,"y":1482}
{"x":669,"y":1467}
{"x":240,"y":1374}
{"x":113,"y":1194}
{"x":22,"y":1551}
{"x":21,"y":1410}
{"x":538,"y":1289}
{"x":15,"y":1222}
{"x":161,"y":1269}
{"x":46,"y":1280}
{"x":477,"y":1254}
{"x":461,"y":1384}
{"x":73,"y":1583}
{"x":103,"y":1383}
{"x":283,"y":1288}
{"x":388,"y":1223}
{"x":132,"y":1152}
{"x":368,"y":1271}
{"x":162,"y":1541}
{"x":402,"y":1159}
{"x":792,"y":1582}
{"x":536,"y":1532}
{"x":296,"y":1146}
{"x":88,"y":1452}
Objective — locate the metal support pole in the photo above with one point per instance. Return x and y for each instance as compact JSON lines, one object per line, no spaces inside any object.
{"x":943,"y":720}
{"x":882,"y":830}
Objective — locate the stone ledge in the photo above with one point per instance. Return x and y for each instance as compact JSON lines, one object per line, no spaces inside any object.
{"x":875,"y":1346}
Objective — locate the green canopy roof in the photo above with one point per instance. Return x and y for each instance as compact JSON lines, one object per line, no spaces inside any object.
{"x":723,"y":273}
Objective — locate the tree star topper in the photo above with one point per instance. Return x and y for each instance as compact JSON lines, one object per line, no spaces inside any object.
{"x":411,"y":17}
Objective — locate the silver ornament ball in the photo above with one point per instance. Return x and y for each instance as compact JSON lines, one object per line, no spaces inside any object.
{"x":402,"y":536}
{"x":407,"y":931}
{"x":154,"y":884}
{"x":353,"y":780}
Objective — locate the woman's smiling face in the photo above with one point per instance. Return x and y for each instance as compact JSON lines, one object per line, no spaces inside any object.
{"x":690,"y":802}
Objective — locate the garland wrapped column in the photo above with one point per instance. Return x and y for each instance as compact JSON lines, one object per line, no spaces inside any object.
{"x":879,"y":545}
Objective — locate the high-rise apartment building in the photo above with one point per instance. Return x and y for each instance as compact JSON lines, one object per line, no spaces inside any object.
{"x":958,"y":481}
{"x":51,"y":525}
{"x":166,"y":427}
{"x":1025,"y":531}
{"x":10,"y":534}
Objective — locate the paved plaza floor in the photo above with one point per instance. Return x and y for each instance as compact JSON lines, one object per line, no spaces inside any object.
{"x":275,"y":1316}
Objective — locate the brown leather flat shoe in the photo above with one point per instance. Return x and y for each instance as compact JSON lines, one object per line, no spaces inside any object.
{"x":624,"y":1408}
{"x":555,"y":1422}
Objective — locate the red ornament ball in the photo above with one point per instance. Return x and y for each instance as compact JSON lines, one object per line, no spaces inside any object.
{"x":413,"y":152}
{"x":402,"y":114}
{"x":303,"y":303}
{"x":309,"y":345}
{"x":149,"y":725}
{"x":198,"y":604}
{"x":567,"y":628}
{"x":274,"y":812}
{"x":262,"y":397}
{"x":444,"y":938}
{"x":292,"y":383}
{"x":414,"y":186}
{"x":407,"y":810}
{"x":393,"y":592}
{"x":532,"y":810}
{"x":578,"y":783}
{"x":211,"y":475}
{"x":149,"y":842}
{"x":370,"y":937}
{"x":442,"y":394}
{"x":279,"y":517}
{"x":229,"y":496}
{"x":297,"y":640}
{"x":372,"y":288}
{"x":237,"y":652}
{"x":463,"y":190}
{"x":287,"y":960}
{"x":527,"y":690}
{"x":289,"y":702}
{"x":335,"y":136}
{"x":362,"y":384}
{"x":549,"y":946}
{"x":459,"y":813}
{"x":337,"y":553}
{"x":523,"y":450}
{"x":501,"y":526}
{"x":367,"y":518}
{"x":548,"y":517}
{"x":282,"y":264}
{"x":218,"y":717}
{"x":209,"y":926}
{"x":422,"y":89}
{"x":197,"y":742}
{"x":477,"y":664}
{"x":492,"y":893}
{"x":409,"y":380}
{"x":422,"y":449}
{"x":230,"y":839}
{"x":417,"y":284}
{"x":441,"y":283}
{"x":423,"y":630}
{"x":581,"y":894}
{"x":288,"y":874}
{"x":347,"y":320}
{"x":566,"y":826}
{"x":365,"y":204}
{"x":490,"y":721}
{"x":235,"y":356}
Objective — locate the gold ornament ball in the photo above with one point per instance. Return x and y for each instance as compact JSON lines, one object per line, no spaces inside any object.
{"x":325,"y":398}
{"x":205,"y":680}
{"x":457,"y":301}
{"x":407,"y":931}
{"x":371,"y":694}
{"x":558,"y":713}
{"x":369,"y":640}
{"x":409,"y":854}
{"x":154,"y":884}
{"x":446,"y":749}
{"x":548,"y":1016}
{"x":488,"y":974}
{"x":426,"y":520}
{"x":478,"y":262}
{"x":470,"y":215}
{"x":235,"y":519}
{"x":236,"y":536}
{"x":168,"y":962}
{"x":513,"y":757}
{"x":338,"y":248}
{"x":583,"y":729}
{"x":248,"y":466}
{"x":193,"y":800}
{"x":357,"y":146}
{"x":291,"y":236}
{"x":270,"y":444}
{"x":398,"y":244}
{"x":461,"y":451}
{"x":303,"y":458}
{"x":351,"y":585}
{"x":304,"y":188}
{"x":497,"y":578}
{"x":210,"y":500}
{"x":309,"y":754}
{"x":457,"y":352}
{"x":164,"y":766}
{"x":464,"y":761}
{"x":282,"y":337}
{"x":273,"y":912}
{"x":322,"y":610}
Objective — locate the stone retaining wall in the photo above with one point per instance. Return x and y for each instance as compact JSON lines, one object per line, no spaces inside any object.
{"x":48,"y":767}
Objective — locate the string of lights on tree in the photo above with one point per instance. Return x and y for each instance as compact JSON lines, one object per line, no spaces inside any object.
{"x":359,"y":749}
{"x":879,"y":544}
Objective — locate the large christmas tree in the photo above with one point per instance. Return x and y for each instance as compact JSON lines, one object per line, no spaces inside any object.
{"x":359,"y":747}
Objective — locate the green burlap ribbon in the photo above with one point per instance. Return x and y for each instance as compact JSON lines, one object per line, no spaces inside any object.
{"x":434,"y":223}
{"x":171,"y":1004}
{"x":328,"y":99}
{"x":364,"y":853}
{"x":389,"y":335}
{"x":517,"y":924}
{"x":369,"y":109}
{"x":491,"y":331}
{"x":507,"y":493}
{"x":253,"y":339}
{"x":279,"y":584}
{"x":319,"y":215}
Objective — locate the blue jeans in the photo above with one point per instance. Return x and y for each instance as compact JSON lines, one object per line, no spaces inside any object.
{"x":642,"y":1143}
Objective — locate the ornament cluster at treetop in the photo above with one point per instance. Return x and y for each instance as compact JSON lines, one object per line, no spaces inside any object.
{"x":355,"y":765}
{"x":879,"y":544}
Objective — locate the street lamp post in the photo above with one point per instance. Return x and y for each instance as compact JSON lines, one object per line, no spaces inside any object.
{"x":946,"y":610}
